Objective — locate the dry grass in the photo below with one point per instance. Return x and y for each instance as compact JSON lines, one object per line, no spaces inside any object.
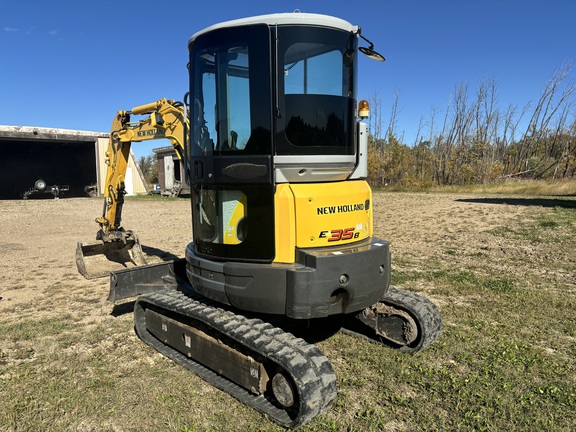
{"x":510,"y":187}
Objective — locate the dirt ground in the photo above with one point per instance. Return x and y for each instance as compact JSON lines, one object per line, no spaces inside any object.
{"x":66,"y":330}
{"x":38,"y":242}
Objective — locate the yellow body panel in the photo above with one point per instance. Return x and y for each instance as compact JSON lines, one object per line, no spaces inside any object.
{"x":328,"y":214}
{"x":285,"y":223}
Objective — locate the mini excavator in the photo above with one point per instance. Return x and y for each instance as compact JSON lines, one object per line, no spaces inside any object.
{"x":272,"y":141}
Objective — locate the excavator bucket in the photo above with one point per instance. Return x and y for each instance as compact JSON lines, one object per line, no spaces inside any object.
{"x":95,"y":260}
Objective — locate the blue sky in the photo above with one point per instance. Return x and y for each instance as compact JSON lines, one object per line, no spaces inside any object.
{"x":73,"y":64}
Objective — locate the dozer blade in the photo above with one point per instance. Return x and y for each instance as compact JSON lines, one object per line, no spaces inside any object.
{"x":95,"y":260}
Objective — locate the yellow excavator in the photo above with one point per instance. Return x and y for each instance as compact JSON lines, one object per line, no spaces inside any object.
{"x":275,"y":150}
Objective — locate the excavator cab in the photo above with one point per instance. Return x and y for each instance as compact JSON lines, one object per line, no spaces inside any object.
{"x":277,"y":162}
{"x":260,"y":120}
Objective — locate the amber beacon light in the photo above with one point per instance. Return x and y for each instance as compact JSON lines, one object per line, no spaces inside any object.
{"x":363,"y":109}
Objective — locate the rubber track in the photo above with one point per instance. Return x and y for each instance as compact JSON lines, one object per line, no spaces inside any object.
{"x":309,"y":368}
{"x":424,"y":312}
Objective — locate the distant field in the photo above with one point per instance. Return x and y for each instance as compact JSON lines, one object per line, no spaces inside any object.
{"x":500,"y":267}
{"x":508,"y":187}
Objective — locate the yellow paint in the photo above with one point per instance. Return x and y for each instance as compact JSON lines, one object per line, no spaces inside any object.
{"x":332,"y":214}
{"x":117,"y":156}
{"x":285,"y":223}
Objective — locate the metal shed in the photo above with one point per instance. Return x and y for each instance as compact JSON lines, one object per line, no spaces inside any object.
{"x":59,"y":157}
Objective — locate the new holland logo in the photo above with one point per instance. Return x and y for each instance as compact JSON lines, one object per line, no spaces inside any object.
{"x":151,"y":132}
{"x":347,"y":208}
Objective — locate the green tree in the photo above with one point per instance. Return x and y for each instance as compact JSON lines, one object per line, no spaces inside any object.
{"x":149,"y":167}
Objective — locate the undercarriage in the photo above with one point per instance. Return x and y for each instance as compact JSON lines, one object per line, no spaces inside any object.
{"x":257,"y":358}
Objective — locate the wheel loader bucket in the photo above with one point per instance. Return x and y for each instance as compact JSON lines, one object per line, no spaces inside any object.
{"x":95,"y":260}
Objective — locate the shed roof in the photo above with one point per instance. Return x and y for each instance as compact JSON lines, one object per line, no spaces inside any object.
{"x":52,"y":134}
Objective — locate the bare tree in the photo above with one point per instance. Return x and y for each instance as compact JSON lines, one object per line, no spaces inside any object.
{"x":553,"y":107}
{"x":391,"y":131}
{"x":375,"y":121}
{"x":474,"y":141}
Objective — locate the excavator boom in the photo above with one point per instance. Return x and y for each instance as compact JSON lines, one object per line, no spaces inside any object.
{"x":116,"y":247}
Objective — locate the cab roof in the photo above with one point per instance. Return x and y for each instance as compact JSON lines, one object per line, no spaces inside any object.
{"x":294,"y":18}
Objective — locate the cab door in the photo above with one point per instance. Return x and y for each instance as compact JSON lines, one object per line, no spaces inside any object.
{"x":230,"y":144}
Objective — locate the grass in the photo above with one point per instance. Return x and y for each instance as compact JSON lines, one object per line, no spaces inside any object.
{"x":506,"y":187}
{"x":505,"y":360}
{"x":457,"y":281}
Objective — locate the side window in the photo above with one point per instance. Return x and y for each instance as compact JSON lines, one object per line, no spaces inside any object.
{"x":238,"y":99}
{"x":220,"y":215}
{"x":222,"y":102}
{"x":235,"y":222}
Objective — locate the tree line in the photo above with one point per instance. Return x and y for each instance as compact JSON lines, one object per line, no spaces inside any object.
{"x":476,"y":141}
{"x":473,"y":141}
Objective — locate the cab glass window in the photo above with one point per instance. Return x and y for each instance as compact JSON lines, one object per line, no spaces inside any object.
{"x":316,"y":84}
{"x":231,"y":93}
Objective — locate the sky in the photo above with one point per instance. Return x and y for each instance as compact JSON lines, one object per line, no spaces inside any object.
{"x":72,"y":64}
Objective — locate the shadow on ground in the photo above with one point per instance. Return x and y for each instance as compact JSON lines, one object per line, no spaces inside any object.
{"x":538,"y":202}
{"x":123,"y":308}
{"x":165,"y":256}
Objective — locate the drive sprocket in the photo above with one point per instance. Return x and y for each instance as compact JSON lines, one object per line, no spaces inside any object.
{"x":401,"y":319}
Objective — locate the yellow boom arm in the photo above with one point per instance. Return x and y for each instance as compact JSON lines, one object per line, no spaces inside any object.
{"x":164,"y":119}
